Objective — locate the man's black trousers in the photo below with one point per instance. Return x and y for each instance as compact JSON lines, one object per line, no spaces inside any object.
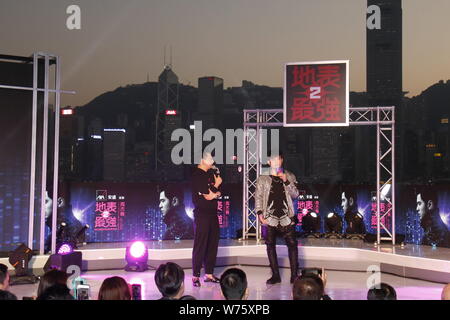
{"x":206,"y":242}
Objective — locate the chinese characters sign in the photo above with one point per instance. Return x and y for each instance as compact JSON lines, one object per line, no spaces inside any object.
{"x":109,"y":211}
{"x":306,"y":203}
{"x":316,"y":94}
{"x":223,"y":211}
{"x":386,"y":219}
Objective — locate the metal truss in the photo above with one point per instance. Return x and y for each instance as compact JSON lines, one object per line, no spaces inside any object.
{"x":381,"y":117}
{"x":42,"y":60}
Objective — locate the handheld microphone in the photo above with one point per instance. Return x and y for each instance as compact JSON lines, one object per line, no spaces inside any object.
{"x":216,"y":170}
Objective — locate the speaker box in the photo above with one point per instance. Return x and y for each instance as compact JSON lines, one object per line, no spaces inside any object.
{"x":61,"y":262}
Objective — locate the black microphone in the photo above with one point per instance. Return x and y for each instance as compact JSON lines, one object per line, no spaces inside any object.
{"x":216,"y":170}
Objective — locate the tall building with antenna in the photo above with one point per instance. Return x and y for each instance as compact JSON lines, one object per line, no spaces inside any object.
{"x":168,"y":118}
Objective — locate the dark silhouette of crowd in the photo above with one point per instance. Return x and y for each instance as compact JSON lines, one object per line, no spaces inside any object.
{"x":170,"y":281}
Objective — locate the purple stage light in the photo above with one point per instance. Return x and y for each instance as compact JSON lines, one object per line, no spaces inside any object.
{"x":137,"y":249}
{"x":136,"y":256}
{"x":65,"y":249}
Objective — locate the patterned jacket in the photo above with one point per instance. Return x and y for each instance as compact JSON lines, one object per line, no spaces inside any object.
{"x":263,"y":185}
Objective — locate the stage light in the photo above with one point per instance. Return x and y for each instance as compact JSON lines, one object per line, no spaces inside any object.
{"x":355,"y":225}
{"x":385,"y":192}
{"x":333,"y":223}
{"x":65,"y":248}
{"x":65,"y":256}
{"x":136,"y":257}
{"x":311,"y":224}
{"x":19,"y":259}
{"x":137,"y":249}
{"x":80,"y":236}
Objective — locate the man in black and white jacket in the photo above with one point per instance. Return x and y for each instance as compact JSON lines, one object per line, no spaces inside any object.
{"x":275,"y":209}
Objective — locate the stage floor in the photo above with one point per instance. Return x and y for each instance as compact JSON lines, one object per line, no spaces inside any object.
{"x":410,"y":261}
{"x":341,"y":285}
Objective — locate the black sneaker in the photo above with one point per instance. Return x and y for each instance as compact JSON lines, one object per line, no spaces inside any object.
{"x":274,"y":280}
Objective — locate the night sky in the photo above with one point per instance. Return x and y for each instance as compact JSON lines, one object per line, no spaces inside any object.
{"x":120,"y":42}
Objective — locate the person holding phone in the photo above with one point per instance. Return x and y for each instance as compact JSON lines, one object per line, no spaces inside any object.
{"x":275,"y":209}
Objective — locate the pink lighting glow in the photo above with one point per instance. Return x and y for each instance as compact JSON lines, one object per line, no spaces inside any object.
{"x":65,"y":249}
{"x":137,"y":249}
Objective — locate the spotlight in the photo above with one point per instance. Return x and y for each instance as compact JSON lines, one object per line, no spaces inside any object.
{"x":355,"y":226}
{"x":65,"y":256}
{"x":311,"y":224}
{"x":19,"y":259}
{"x":333,"y":225}
{"x":136,"y":256}
{"x":81,"y":236}
{"x":385,"y":192}
{"x":64,"y":248}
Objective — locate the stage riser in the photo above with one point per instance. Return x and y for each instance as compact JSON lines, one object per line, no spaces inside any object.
{"x":331,"y":258}
{"x":415,"y":273}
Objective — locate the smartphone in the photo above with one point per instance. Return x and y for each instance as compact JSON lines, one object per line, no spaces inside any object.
{"x":314,"y":271}
{"x":136,"y":293}
{"x":83,"y":292}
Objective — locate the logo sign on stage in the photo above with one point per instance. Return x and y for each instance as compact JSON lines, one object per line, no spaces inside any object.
{"x":316,"y":94}
{"x":109,"y":211}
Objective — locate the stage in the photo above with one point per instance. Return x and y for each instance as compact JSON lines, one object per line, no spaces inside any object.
{"x":411,"y":261}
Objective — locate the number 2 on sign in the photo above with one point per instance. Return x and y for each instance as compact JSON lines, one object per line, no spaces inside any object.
{"x":314,"y":92}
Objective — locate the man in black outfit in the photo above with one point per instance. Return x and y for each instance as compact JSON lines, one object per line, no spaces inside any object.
{"x":205,"y":191}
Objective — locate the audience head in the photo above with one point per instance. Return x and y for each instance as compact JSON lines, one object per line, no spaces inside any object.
{"x":114,"y":288}
{"x":446,"y":292}
{"x":382,"y":291}
{"x":56,"y":292}
{"x":169,"y":278}
{"x":6,"y":295}
{"x":308,"y":287}
{"x":187,"y":298}
{"x":50,"y":278}
{"x":233,"y":283}
{"x":4,"y":277}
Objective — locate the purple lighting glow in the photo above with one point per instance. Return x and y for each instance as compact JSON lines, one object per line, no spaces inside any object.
{"x":65,"y":249}
{"x":137,"y":249}
{"x":136,"y":256}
